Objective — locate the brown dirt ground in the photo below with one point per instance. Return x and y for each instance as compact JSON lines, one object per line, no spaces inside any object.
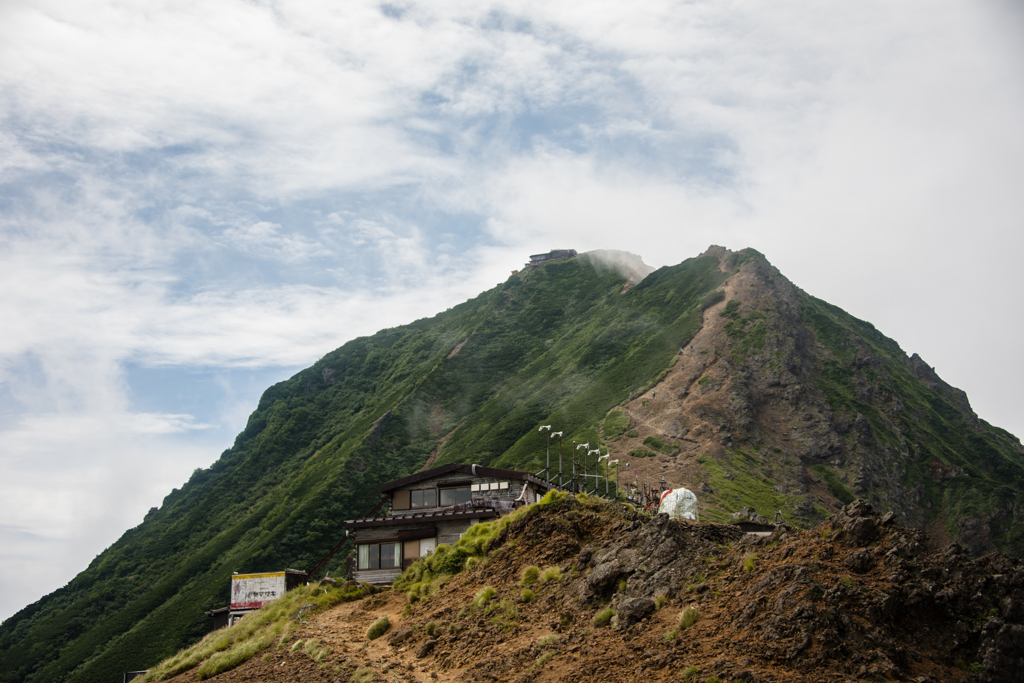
{"x":800,"y":614}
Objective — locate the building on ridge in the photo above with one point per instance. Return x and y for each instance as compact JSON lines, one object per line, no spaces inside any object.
{"x":433,"y":507}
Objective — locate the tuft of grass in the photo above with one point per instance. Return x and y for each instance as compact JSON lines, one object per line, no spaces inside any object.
{"x":713,"y":679}
{"x":506,"y":616}
{"x":527,"y":595}
{"x":689,"y":673}
{"x":545,"y":641}
{"x":483,"y":596}
{"x":315,"y":650}
{"x":604,"y":617}
{"x":748,"y":562}
{"x":660,"y":601}
{"x":432,"y":629}
{"x":621,"y":586}
{"x":688,"y":617}
{"x":704,"y":381}
{"x":670,"y":635}
{"x":530,"y":575}
{"x":378,"y":628}
{"x":363,"y":675}
{"x":632,"y":434}
{"x":550,"y":574}
{"x":640,"y":453}
{"x":544,"y":659}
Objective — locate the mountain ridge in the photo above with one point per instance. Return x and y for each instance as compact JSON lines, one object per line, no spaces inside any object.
{"x":564,"y":343}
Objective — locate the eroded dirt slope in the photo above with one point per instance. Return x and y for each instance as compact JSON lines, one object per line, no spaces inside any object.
{"x":858,"y":598}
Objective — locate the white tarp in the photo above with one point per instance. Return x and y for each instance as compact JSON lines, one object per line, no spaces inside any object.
{"x":679,"y":504}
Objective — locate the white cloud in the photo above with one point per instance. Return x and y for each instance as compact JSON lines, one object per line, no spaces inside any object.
{"x":234,"y":184}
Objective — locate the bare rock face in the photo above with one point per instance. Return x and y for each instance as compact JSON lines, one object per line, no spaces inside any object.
{"x":632,"y":610}
{"x":425,"y":649}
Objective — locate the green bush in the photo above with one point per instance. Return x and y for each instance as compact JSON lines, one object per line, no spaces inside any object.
{"x":660,"y":601}
{"x":704,"y":381}
{"x":640,"y":453}
{"x":632,"y":434}
{"x":689,"y":673}
{"x":748,"y":562}
{"x":530,"y":575}
{"x":527,"y":595}
{"x":432,"y":629}
{"x":378,"y":628}
{"x":604,"y":617}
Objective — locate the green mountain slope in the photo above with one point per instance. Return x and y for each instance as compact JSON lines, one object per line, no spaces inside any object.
{"x":789,"y":403}
{"x":559,"y":341}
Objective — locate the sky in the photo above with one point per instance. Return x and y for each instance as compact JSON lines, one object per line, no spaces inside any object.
{"x":198,"y":199}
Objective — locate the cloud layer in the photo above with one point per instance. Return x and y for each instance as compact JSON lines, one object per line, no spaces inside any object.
{"x":197,"y":198}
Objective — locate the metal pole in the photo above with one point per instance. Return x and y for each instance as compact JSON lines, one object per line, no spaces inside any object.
{"x":547,"y":468}
{"x":559,"y":460}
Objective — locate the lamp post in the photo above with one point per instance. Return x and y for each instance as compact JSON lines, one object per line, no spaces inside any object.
{"x":559,"y":435}
{"x":585,"y":465}
{"x":599,"y":459}
{"x":547,"y":466}
{"x":575,"y":483}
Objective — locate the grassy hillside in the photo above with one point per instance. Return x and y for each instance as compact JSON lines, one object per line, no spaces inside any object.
{"x":558,"y":344}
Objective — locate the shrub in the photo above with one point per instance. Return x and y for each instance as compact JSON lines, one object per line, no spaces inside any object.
{"x":530,"y":575}
{"x":670,"y":635}
{"x":704,"y":381}
{"x":483,"y":596}
{"x":378,"y":628}
{"x":604,"y":617}
{"x":622,"y":585}
{"x":657,"y":444}
{"x":660,"y":600}
{"x":731,"y":309}
{"x":640,"y":453}
{"x":748,"y":562}
{"x":632,"y":434}
{"x":550,"y":574}
{"x":432,"y":629}
{"x":545,"y":658}
{"x":615,"y":424}
{"x":449,"y":560}
{"x":688,"y":617}
{"x":689,"y":673}
{"x":527,"y":595}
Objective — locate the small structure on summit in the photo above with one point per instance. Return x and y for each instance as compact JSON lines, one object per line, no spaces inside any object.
{"x":679,"y":504}
{"x":432,"y":507}
{"x":538,"y":259}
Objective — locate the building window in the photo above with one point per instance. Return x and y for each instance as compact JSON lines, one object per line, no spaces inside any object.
{"x":454,"y":496}
{"x":424,"y":498}
{"x":380,"y":555}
